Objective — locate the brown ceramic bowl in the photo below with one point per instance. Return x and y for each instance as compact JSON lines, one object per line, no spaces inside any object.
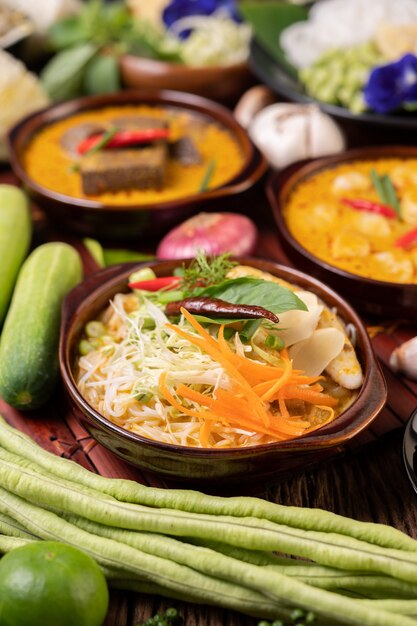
{"x":91,"y":217}
{"x":377,"y":297}
{"x":222,"y":83}
{"x":201,"y":465}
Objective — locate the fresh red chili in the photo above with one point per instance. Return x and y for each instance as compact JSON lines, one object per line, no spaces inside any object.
{"x":407,"y":240}
{"x":215,"y":307}
{"x":371,"y":207}
{"x":155,"y":284}
{"x":124,"y":138}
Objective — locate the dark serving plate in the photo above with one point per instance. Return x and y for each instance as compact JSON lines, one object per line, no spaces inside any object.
{"x":410,"y":449}
{"x":377,"y":297}
{"x":359,"y":128}
{"x":91,"y":217}
{"x":205,"y":466}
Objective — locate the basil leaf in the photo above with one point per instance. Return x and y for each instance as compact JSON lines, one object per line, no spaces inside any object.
{"x":226,"y":321}
{"x":63,"y":75}
{"x":102,"y":75}
{"x":257,"y":292}
{"x":67,"y":32}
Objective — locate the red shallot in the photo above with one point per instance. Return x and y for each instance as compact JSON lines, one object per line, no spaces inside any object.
{"x":211,"y":233}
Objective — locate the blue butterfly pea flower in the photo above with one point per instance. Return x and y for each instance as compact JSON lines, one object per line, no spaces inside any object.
{"x":178,"y":9}
{"x":392,"y":85}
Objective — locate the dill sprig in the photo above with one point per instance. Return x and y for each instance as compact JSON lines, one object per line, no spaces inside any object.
{"x":205,"y":271}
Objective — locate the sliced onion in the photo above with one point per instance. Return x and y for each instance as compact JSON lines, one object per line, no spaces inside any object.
{"x":212,"y":233}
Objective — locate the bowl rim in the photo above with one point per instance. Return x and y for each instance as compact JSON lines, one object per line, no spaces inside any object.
{"x":281,"y":183}
{"x":177,"y":67}
{"x":113,"y":279}
{"x":27,"y":127}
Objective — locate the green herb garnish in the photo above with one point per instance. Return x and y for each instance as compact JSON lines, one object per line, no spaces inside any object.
{"x":208,"y":175}
{"x":386,"y":191}
{"x":103,"y":141}
{"x":205,"y":270}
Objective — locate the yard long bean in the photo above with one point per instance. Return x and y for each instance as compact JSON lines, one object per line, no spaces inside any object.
{"x":193,"y":501}
{"x":276,"y":589}
{"x":325,"y":548}
{"x":210,"y":562}
{"x":9,"y":543}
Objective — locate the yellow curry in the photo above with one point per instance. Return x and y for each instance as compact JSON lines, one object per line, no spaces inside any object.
{"x":338,"y":216}
{"x":48,"y":162}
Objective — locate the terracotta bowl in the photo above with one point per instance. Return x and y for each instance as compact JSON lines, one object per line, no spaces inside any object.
{"x":204,"y":466}
{"x":91,"y":217}
{"x":222,"y":83}
{"x":376,"y":297}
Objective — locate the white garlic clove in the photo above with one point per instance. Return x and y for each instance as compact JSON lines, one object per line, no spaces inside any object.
{"x":288,"y":132}
{"x":404,"y":359}
{"x":252,"y":101}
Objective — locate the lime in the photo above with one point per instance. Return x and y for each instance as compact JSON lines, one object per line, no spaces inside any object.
{"x":46,"y":583}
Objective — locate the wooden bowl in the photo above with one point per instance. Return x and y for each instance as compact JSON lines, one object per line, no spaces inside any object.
{"x":222,"y":83}
{"x":94,"y":218}
{"x":205,"y":466}
{"x":382,"y":298}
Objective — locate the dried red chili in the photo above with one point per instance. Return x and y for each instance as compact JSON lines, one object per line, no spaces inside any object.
{"x":215,"y":307}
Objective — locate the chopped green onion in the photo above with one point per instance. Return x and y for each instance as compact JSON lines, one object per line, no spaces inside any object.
{"x":274,"y":342}
{"x":143,"y":398}
{"x":84,"y":347}
{"x":170,"y":296}
{"x":208,"y":175}
{"x":95,"y":329}
{"x":229,"y":332}
{"x":250,"y":328}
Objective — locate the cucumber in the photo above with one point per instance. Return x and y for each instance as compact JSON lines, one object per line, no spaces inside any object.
{"x":15,"y":236}
{"x":29,"y":342}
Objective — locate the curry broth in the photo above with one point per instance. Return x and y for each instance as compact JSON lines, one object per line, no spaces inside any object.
{"x":48,"y":164}
{"x":356,"y":241}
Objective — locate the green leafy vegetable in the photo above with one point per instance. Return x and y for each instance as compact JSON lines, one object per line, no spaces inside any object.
{"x":63,"y":76}
{"x":255,"y":291}
{"x":268,"y":20}
{"x":102,"y":75}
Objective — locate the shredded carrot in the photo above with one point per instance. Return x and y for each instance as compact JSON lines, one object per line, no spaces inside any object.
{"x":205,"y":432}
{"x":308,"y":395}
{"x":211,"y":347}
{"x":281,"y":381}
{"x":253,"y":387}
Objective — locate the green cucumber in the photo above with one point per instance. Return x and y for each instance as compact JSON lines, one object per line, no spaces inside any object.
{"x":29,"y":342}
{"x":15,"y":236}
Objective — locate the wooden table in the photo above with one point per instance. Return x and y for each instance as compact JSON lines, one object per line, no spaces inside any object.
{"x":366,"y":481}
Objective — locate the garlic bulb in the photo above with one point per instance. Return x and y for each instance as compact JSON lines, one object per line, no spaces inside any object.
{"x":251,"y":102}
{"x":286,"y":133}
{"x":404,"y":359}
